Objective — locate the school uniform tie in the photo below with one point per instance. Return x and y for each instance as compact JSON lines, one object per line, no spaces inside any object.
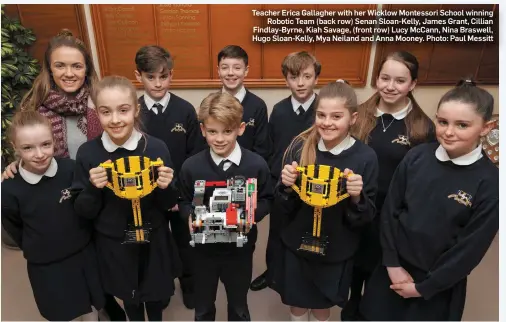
{"x":301,"y":111}
{"x":159,"y":108}
{"x":224,"y":165}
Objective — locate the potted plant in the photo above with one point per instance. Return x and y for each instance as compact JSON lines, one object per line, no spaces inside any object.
{"x":19,"y":70}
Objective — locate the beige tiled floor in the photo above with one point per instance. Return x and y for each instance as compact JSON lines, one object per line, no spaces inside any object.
{"x":18,"y":303}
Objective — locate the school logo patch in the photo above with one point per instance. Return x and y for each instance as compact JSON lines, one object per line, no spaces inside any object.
{"x":251,"y":122}
{"x":402,"y":139}
{"x":462,"y":198}
{"x":178,"y":128}
{"x":65,"y":194}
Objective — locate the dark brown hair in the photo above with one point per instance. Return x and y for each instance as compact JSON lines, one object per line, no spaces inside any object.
{"x":417,"y":122}
{"x":467,"y":92}
{"x":149,"y":59}
{"x":44,"y":81}
{"x":233,"y":51}
{"x":296,"y":62}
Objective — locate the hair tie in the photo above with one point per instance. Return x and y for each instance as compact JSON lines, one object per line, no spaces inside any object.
{"x":341,"y":81}
{"x":468,"y":81}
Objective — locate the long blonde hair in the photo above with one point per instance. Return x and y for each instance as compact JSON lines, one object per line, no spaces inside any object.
{"x":36,"y":96}
{"x":310,"y":137}
{"x":417,"y":122}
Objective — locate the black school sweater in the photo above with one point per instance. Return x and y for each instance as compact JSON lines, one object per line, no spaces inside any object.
{"x":391,"y":146}
{"x":202,"y":167}
{"x":284,"y":125}
{"x":340,"y":222}
{"x":256,"y":136}
{"x":112,"y":214}
{"x":178,"y":127}
{"x":424,"y":223}
{"x":44,"y":225}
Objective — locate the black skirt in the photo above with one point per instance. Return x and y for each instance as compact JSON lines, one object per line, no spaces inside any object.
{"x":67,"y":289}
{"x":311,"y":285}
{"x":380,"y":303}
{"x":137,"y":273}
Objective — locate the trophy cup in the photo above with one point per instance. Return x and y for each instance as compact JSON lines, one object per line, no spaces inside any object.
{"x":319,"y":186}
{"x":133,"y":178}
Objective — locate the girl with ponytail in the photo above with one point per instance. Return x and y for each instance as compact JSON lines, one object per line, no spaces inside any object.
{"x":316,"y":282}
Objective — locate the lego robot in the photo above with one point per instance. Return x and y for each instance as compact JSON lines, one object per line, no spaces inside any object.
{"x":230,"y":213}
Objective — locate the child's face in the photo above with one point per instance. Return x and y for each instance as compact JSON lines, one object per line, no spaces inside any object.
{"x":459,"y":128}
{"x":220,"y":137}
{"x":35,"y":146}
{"x":155,"y":84}
{"x":302,"y":86}
{"x":232,"y":72}
{"x":68,"y":68}
{"x":117,"y":112}
{"x":333,"y":120}
{"x":394,"y":82}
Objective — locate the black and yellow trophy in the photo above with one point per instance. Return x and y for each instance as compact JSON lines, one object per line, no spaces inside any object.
{"x":319,"y":186}
{"x":133,"y":178}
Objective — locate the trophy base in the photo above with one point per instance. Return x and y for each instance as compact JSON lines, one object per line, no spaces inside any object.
{"x":137,"y":236}
{"x":315,"y":245}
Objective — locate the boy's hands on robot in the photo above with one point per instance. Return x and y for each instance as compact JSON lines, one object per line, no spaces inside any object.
{"x":354,"y":181}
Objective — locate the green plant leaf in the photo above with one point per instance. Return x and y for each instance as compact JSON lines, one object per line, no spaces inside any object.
{"x":18,"y":69}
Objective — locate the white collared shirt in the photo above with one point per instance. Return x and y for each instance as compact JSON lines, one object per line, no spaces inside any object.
{"x":240,"y":95}
{"x":344,"y":145}
{"x":305,"y":106}
{"x":466,"y":159}
{"x":130,"y":144}
{"x":150,"y":102}
{"x":234,"y":157}
{"x":399,"y":115}
{"x":33,"y":178}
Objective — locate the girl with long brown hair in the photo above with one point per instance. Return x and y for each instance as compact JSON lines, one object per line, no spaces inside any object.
{"x":317,"y":281}
{"x":391,"y":122}
{"x":61,"y":93}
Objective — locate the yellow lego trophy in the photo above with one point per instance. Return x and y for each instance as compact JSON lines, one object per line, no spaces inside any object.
{"x":319,"y":186}
{"x":132,"y":178}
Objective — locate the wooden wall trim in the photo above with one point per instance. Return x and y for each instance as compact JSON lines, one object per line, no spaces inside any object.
{"x":442,"y":63}
{"x":83,"y":28}
{"x":356,"y":75}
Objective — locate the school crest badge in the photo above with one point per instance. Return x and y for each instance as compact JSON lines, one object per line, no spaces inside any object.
{"x":251,"y":122}
{"x":462,"y":198}
{"x":402,"y":140}
{"x":178,"y":128}
{"x":65,"y":194}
